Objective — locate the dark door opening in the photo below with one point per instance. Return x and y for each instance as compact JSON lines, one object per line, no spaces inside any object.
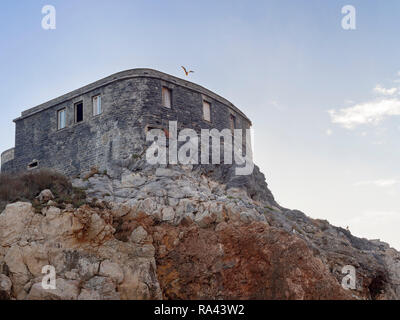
{"x":79,"y":112}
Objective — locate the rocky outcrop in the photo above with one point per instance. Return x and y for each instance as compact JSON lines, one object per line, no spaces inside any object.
{"x":89,"y":262}
{"x":98,"y":255}
{"x":244,"y":261}
{"x":184,"y":232}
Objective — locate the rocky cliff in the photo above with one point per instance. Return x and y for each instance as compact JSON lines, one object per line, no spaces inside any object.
{"x":183,"y":232}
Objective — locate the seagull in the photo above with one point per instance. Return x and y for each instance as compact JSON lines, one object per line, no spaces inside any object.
{"x":187,"y":72}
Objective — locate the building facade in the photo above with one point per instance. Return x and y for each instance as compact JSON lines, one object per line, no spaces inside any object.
{"x":107,"y":121}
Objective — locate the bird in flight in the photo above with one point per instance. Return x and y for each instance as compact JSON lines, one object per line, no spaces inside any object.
{"x":187,"y":72}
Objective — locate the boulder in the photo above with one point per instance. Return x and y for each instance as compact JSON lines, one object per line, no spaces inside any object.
{"x":138,"y":235}
{"x":168,"y":214}
{"x":13,"y":221}
{"x":45,"y":196}
{"x":111,"y":270}
{"x":65,"y":290}
{"x":19,"y":273}
{"x":103,"y":287}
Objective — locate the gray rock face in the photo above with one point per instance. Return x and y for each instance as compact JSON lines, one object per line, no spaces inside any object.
{"x":126,"y":269}
{"x":209,"y":195}
{"x":163,"y":172}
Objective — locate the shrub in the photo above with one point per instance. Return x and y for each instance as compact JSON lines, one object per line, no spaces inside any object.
{"x":26,"y":186}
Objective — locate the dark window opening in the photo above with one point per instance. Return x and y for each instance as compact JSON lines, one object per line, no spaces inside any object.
{"x":148,"y":128}
{"x":34,"y":164}
{"x":79,"y":112}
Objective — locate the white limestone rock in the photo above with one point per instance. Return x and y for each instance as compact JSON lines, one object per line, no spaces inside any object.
{"x":138,"y":235}
{"x":111,"y":270}
{"x":168,"y":214}
{"x":13,"y":221}
{"x":65,"y":290}
{"x":45,"y":195}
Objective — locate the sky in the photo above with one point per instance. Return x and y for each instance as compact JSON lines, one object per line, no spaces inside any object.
{"x":324,"y":101}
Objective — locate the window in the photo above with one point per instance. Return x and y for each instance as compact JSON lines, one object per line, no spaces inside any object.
{"x":207,"y":111}
{"x":97,"y":105}
{"x":34,"y":164}
{"x":61,"y":116}
{"x":232,"y":121}
{"x":79,"y":112}
{"x":166,"y":97}
{"x":149,"y":128}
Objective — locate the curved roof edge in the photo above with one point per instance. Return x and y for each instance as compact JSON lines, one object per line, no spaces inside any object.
{"x":4,"y":153}
{"x":8,"y":150}
{"x":128,"y":74}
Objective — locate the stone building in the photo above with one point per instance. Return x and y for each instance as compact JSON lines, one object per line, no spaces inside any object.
{"x":106,"y":121}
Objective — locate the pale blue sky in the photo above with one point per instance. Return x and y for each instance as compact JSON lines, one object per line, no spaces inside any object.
{"x":284,"y":63}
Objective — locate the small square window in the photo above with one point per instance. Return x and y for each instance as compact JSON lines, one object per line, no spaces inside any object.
{"x":166,"y":97}
{"x":97,"y":105}
{"x":207,"y":111}
{"x":61,"y":119}
{"x":79,"y":112}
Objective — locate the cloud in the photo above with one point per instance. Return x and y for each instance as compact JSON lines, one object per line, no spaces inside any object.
{"x":382,"y":183}
{"x":383,"y":91}
{"x":372,"y":112}
{"x":329,"y":132}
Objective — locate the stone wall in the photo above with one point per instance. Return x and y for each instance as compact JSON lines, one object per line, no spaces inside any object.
{"x":131,"y":101}
{"x":7,"y":160}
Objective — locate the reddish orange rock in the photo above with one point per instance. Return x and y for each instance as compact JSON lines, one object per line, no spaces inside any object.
{"x":239,"y":262}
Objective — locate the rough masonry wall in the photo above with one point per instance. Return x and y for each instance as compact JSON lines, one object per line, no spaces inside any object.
{"x":129,"y":105}
{"x":187,"y":109}
{"x":7,"y":160}
{"x":95,"y":141}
